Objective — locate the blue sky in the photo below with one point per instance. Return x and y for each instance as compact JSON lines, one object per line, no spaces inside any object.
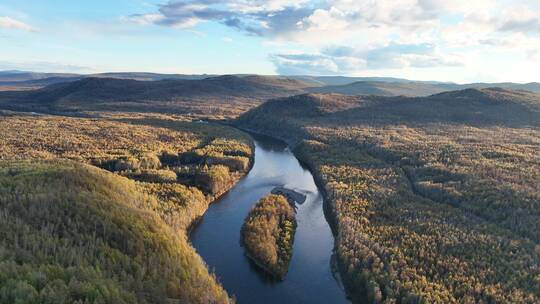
{"x":461,"y":41}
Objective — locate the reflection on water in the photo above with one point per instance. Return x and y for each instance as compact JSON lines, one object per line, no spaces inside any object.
{"x":217,"y":236}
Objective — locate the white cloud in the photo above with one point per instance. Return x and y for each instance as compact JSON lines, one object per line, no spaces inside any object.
{"x":10,"y":23}
{"x":305,"y":64}
{"x":145,"y":19}
{"x":520,"y":19}
{"x":255,"y":6}
{"x":382,"y":34}
{"x":332,"y":19}
{"x":534,"y":55}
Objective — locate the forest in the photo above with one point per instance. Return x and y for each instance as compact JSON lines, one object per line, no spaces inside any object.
{"x":439,"y":208}
{"x":268,"y":234}
{"x":432,"y":199}
{"x":97,"y":210}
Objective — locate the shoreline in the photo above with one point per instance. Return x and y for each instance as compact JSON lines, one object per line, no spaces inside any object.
{"x":328,"y":208}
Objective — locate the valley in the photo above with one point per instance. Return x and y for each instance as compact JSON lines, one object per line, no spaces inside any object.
{"x":270,"y":152}
{"x":426,"y":196}
{"x":434,"y":199}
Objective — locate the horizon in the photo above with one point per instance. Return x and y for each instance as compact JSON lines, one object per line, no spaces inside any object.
{"x":422,"y":40}
{"x":355,"y":78}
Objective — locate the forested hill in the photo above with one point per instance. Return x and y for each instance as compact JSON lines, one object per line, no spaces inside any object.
{"x":72,"y":233}
{"x":413,"y":88}
{"x":97,"y":210}
{"x":96,"y":89}
{"x":493,"y":106}
{"x":161,"y":95}
{"x":383,"y":88}
{"x":434,"y":199}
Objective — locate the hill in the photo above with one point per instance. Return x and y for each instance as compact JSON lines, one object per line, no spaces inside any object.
{"x":433,"y":199}
{"x":413,"y":88}
{"x":531,"y":86}
{"x":345,"y":80}
{"x":386,"y":88}
{"x":221,"y":93}
{"x":101,"y":237}
{"x":381,"y":86}
{"x":22,"y":80}
{"x":74,"y":233}
{"x":478,"y":107}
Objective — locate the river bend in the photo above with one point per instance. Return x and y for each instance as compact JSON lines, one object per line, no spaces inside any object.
{"x":217,"y":237}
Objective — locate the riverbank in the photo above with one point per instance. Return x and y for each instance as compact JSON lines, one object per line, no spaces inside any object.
{"x":217,"y":236}
{"x":161,"y":161}
{"x":328,"y":206}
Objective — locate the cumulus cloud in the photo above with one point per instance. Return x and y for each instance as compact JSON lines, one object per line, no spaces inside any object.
{"x":304,"y":64}
{"x":10,"y":23}
{"x":316,"y":64}
{"x":262,"y":18}
{"x":521,"y":20}
{"x":251,"y":6}
{"x":351,"y":36}
{"x":346,"y":60}
{"x":534,"y":55}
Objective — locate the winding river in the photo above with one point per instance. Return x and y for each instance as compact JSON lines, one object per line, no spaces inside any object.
{"x":217,"y":237}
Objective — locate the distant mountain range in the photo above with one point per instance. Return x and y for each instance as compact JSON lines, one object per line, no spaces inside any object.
{"x":31,"y":80}
{"x":382,"y":86}
{"x":414,"y":88}
{"x":224,"y":95}
{"x":13,"y":76}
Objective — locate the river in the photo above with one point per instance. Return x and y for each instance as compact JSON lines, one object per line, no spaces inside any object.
{"x":217,"y":236}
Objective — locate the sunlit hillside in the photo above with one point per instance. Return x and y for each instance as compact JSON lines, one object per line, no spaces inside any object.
{"x":434,"y":199}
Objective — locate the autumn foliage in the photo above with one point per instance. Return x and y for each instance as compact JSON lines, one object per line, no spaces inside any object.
{"x":268,"y":234}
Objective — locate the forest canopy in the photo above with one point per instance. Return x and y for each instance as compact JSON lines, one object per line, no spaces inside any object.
{"x":71,"y":232}
{"x":434,"y":200}
{"x":268,"y":234}
{"x":97,"y":210}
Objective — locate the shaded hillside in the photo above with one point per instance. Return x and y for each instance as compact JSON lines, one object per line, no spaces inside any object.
{"x":381,"y":86}
{"x":413,"y":88}
{"x":38,"y":83}
{"x":345,"y":80}
{"x":434,"y":199}
{"x":531,"y":86}
{"x":472,"y":106}
{"x":104,"y":89}
{"x":387,"y":88}
{"x":111,"y":94}
{"x":73,"y":233}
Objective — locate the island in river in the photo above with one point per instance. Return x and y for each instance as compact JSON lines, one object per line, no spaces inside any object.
{"x":268,"y":234}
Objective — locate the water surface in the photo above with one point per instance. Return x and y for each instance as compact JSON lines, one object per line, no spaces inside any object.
{"x":217,"y":237}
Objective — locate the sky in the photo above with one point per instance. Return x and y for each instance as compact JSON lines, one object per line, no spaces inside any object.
{"x":444,"y":40}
